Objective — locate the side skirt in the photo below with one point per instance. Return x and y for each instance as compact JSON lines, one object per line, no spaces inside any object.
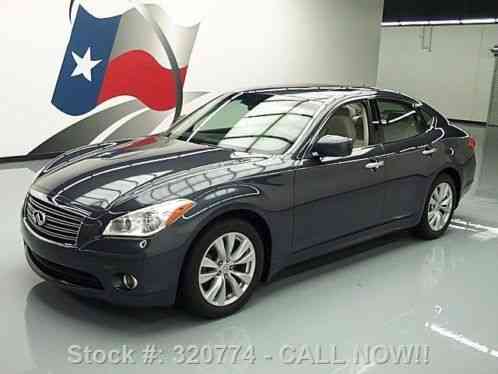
{"x":346,"y":241}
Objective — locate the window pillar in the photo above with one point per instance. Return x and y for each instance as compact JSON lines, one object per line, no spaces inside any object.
{"x":493,"y":108}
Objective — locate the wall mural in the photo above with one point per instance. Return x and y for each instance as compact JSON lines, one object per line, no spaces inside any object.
{"x":141,"y":55}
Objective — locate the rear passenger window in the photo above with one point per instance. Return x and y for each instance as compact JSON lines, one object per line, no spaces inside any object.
{"x":400,"y":121}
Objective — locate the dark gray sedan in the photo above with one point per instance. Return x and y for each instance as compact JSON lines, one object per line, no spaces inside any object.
{"x":248,"y":184}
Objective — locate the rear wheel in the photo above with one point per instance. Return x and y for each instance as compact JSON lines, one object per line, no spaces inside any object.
{"x":439,"y":208}
{"x":222,"y":270}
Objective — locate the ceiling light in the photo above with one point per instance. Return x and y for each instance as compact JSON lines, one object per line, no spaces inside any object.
{"x":414,"y":23}
{"x":445,"y":22}
{"x":476,"y":21}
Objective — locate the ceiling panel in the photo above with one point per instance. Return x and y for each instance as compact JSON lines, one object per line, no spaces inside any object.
{"x":422,"y":10}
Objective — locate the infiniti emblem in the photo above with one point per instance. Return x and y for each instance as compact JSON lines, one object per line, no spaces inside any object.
{"x":40,"y":218}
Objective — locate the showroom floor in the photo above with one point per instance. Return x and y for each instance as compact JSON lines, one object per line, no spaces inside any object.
{"x":437,"y":297}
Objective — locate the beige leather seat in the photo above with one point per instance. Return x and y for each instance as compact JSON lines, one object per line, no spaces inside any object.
{"x":341,"y":124}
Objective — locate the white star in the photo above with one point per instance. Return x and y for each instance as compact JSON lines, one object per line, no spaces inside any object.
{"x":84,"y":65}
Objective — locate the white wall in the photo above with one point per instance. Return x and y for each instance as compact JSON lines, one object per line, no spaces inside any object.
{"x":245,"y":43}
{"x":455,"y":76}
{"x":240,"y":43}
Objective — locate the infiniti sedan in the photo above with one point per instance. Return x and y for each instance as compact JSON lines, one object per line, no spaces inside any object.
{"x":248,"y":184}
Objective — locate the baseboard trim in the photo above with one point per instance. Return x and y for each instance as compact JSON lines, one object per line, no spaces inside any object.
{"x":34,"y":157}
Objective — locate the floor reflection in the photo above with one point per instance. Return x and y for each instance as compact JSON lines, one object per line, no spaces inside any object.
{"x":394,"y":290}
{"x":56,"y":320}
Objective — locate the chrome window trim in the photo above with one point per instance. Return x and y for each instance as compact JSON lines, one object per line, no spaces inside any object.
{"x":339,"y":160}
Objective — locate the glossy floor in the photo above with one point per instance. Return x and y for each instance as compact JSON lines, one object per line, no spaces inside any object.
{"x":438,"y":298}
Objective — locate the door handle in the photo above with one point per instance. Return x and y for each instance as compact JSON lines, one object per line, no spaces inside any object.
{"x":429,"y":151}
{"x":374,"y":165}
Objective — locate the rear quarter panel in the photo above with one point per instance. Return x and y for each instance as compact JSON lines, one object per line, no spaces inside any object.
{"x":463,"y":159}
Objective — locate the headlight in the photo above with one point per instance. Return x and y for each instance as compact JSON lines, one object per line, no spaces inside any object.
{"x":150,"y":220}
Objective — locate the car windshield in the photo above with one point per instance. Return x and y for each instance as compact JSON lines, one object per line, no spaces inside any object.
{"x":267,"y":123}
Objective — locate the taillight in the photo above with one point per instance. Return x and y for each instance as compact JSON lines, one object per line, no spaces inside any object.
{"x":472,"y":143}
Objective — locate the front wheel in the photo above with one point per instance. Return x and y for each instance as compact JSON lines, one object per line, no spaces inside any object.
{"x":222,"y":269}
{"x":439,"y":208}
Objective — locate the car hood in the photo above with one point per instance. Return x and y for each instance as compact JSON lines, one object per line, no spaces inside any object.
{"x":106,"y":175}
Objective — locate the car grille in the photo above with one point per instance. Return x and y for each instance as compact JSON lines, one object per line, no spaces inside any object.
{"x":59,"y":225}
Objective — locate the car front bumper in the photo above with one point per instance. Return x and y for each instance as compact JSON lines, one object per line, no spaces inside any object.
{"x":98,"y":273}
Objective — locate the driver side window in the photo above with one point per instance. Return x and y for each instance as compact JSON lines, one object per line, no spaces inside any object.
{"x":350,"y":121}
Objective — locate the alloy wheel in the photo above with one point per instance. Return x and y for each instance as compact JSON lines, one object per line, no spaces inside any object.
{"x":440,"y":206}
{"x":227,"y":269}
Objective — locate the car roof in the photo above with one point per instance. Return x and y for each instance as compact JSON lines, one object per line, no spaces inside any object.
{"x":325,"y":92}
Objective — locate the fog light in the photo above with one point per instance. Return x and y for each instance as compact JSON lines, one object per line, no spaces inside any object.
{"x":129,"y":281}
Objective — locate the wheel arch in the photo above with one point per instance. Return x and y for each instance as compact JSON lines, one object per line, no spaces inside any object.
{"x":457,"y":179}
{"x":244,"y":213}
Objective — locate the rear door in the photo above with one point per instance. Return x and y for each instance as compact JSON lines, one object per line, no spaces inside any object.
{"x":412,"y":156}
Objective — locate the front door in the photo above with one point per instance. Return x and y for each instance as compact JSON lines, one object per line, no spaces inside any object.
{"x":336,"y":196}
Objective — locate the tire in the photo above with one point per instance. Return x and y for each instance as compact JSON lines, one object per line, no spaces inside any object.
{"x":427,"y":228}
{"x":202,"y":286}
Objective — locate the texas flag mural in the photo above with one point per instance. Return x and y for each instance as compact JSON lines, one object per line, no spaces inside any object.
{"x":141,"y":53}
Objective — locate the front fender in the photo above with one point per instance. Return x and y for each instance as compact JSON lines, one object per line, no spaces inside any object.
{"x":240,"y":200}
{"x":210,"y":200}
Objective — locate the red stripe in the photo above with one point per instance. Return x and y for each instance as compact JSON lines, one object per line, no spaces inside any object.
{"x":138,"y":74}
{"x":140,"y":142}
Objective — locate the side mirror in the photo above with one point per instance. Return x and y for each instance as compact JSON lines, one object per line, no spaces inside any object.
{"x":333,"y":146}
